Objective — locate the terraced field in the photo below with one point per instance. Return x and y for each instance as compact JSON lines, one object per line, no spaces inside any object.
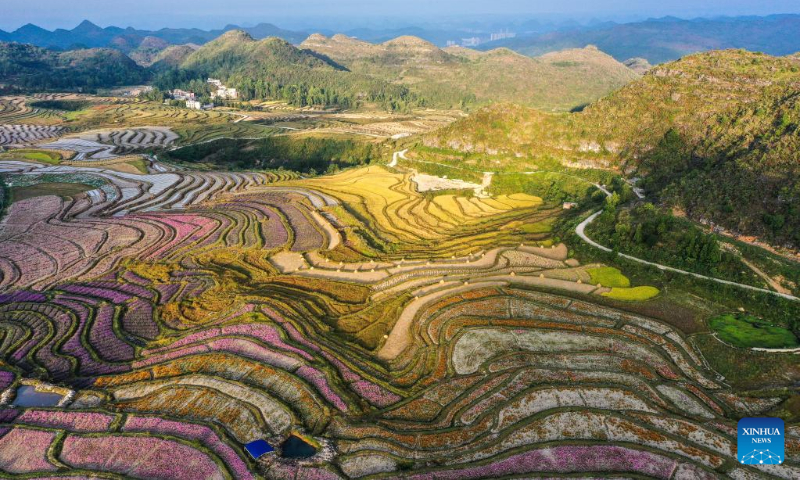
{"x":15,"y":110}
{"x":185,"y":314}
{"x":87,"y":131}
{"x":146,"y":124}
{"x":133,"y":139}
{"x":109,"y":144}
{"x":23,"y":135}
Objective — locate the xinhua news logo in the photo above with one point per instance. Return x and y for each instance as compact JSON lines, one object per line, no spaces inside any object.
{"x":760,"y":441}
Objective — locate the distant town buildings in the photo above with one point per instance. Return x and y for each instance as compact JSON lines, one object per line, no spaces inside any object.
{"x":502,"y":35}
{"x":471,"y":42}
{"x":476,"y":41}
{"x":222,"y":92}
{"x":452,"y":43}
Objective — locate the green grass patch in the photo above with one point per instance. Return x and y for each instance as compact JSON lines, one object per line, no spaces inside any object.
{"x":51,"y":158}
{"x":73,"y":116}
{"x":140,"y":165}
{"x":608,"y":277}
{"x":635,"y":294}
{"x":545,"y":226}
{"x":41,"y":157}
{"x":49,"y":188}
{"x":747,"y":331}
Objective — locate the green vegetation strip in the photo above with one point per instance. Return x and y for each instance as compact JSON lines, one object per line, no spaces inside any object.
{"x":305,"y":154}
{"x":608,"y":277}
{"x":746,"y":331}
{"x":635,"y":294}
{"x":52,"y":158}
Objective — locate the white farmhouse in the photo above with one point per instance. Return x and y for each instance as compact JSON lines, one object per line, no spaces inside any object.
{"x":178,"y":94}
{"x":222,"y":92}
{"x":226,"y":93}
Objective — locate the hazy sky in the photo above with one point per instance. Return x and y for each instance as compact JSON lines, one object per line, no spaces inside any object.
{"x":328,"y":13}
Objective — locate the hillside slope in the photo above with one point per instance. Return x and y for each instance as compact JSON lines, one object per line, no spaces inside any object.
{"x":30,"y":67}
{"x":238,"y":51}
{"x":696,"y":96}
{"x":457,"y":76}
{"x":716,"y":134}
{"x":274,"y":69}
{"x":171,"y":57}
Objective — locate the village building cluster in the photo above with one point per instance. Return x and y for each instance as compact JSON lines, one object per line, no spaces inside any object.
{"x":221,"y":92}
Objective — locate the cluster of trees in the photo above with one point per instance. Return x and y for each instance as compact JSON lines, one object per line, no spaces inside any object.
{"x":671,"y":239}
{"x":300,"y":89}
{"x":272,"y":69}
{"x":66,"y":105}
{"x":654,"y":234}
{"x":551,"y":186}
{"x":300,"y":94}
{"x":310,"y":155}
{"x":32,"y":68}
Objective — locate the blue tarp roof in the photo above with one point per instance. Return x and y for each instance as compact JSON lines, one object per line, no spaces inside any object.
{"x":258,"y":448}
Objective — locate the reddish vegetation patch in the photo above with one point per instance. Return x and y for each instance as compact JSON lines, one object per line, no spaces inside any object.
{"x":24,"y":450}
{"x":143,"y":457}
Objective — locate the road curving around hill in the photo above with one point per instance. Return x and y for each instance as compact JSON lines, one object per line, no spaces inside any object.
{"x":580,"y":230}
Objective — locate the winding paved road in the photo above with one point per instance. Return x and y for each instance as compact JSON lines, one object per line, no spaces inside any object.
{"x":395,"y":155}
{"x":581,"y":231}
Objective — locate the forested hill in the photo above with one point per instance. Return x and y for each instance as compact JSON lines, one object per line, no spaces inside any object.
{"x":340,"y":71}
{"x":34,"y":68}
{"x":274,"y":69}
{"x":403,"y":72}
{"x":740,"y":166}
{"x":716,"y":134}
{"x":458,"y":76}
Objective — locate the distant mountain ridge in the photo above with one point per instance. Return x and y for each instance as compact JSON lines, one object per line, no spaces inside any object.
{"x":656,"y":40}
{"x":90,"y":35}
{"x":665,"y":39}
{"x":345,"y":72}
